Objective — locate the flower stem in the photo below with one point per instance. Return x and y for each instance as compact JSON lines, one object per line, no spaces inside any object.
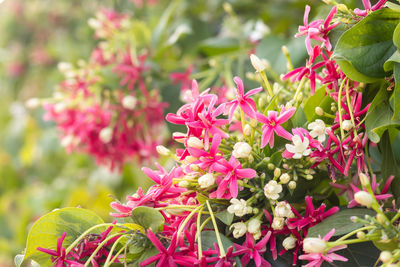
{"x":200,"y":251}
{"x":99,"y":246}
{"x":301,"y":84}
{"x":340,"y":108}
{"x":266,"y":82}
{"x":107,"y":263}
{"x":350,"y":110}
{"x":221,"y":247}
{"x":187,"y":219}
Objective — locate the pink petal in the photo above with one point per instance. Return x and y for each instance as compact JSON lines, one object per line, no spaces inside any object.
{"x":240,"y":87}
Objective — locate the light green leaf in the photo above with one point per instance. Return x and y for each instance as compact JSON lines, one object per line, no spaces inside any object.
{"x":396,"y":36}
{"x":362,"y":50}
{"x":389,"y":64}
{"x":319,"y":99}
{"x":340,"y":222}
{"x":148,"y":218}
{"x":217,"y":46}
{"x":45,"y":232}
{"x":225,"y":217}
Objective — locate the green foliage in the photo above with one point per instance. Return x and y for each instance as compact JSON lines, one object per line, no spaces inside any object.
{"x":45,"y":232}
{"x":362,"y":50}
{"x":148,"y":218}
{"x":340,"y":222}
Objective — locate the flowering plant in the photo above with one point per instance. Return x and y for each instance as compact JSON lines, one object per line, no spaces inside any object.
{"x":261,"y":177}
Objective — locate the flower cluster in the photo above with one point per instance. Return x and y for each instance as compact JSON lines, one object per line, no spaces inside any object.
{"x":106,"y":107}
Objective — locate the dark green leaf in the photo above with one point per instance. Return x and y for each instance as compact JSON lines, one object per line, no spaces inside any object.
{"x":225,"y":217}
{"x":379,"y":116}
{"x":340,"y":222}
{"x":362,"y":50}
{"x":358,"y":255}
{"x":396,"y":36}
{"x":319,"y":99}
{"x":389,"y":164}
{"x":148,"y":218}
{"x":396,"y":94}
{"x":45,"y":232}
{"x":208,"y":238}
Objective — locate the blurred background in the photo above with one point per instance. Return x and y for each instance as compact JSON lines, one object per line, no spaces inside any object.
{"x":36,"y":174}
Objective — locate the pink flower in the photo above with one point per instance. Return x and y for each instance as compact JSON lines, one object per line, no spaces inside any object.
{"x":316,"y":259}
{"x":58,"y":257}
{"x":182,"y":77}
{"x":368,"y":8}
{"x":254,"y":250}
{"x":317,"y":30}
{"x":272,"y":124}
{"x":167,"y":257}
{"x":243,"y":100}
{"x":228,"y":187}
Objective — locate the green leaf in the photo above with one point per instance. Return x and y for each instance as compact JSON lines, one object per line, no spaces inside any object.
{"x":319,"y":99}
{"x":396,"y":35}
{"x":389,"y":64}
{"x":148,"y":218}
{"x":396,"y":94}
{"x":46,"y":231}
{"x":393,"y":6}
{"x":362,"y":50}
{"x":225,"y":217}
{"x":359,"y":255}
{"x":217,"y":46}
{"x":340,"y":221}
{"x":379,"y":116}
{"x":389,"y":164}
{"x":208,"y":238}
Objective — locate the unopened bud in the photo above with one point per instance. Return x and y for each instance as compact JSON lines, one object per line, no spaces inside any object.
{"x":261,"y":102}
{"x":361,"y":235}
{"x":385,"y":256}
{"x":363,"y":198}
{"x":285,"y":178}
{"x":289,"y":242}
{"x":319,"y":111}
{"x":257,"y":63}
{"x":32,"y":103}
{"x":183,"y":184}
{"x":247,"y":130}
{"x":194,"y":167}
{"x":347,"y":125}
{"x":190,"y":159}
{"x":363,"y":179}
{"x":309,"y":177}
{"x":314,"y":245}
{"x":179,"y":137}
{"x":285,"y":50}
{"x":381,"y":219}
{"x":162,"y":150}
{"x":271,"y":166}
{"x":292,"y":185}
{"x":195,"y":142}
{"x":129,"y":102}
{"x":251,"y":159}
{"x":277,"y":172}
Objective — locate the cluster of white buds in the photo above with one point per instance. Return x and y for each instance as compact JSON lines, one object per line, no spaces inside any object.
{"x":282,"y":210}
{"x":254,"y":227}
{"x":239,"y":207}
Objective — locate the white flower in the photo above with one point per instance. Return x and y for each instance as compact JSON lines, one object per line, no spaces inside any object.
{"x":278,"y":223}
{"x":239,"y":207}
{"x":253,"y":226}
{"x":195,"y":142}
{"x":318,"y":129}
{"x":299,"y":148}
{"x":259,"y":31}
{"x":314,"y":245}
{"x":106,"y":135}
{"x":206,"y":180}
{"x":257,"y":63}
{"x":289,"y":242}
{"x":283,"y":209}
{"x":241,"y":150}
{"x":272,"y":190}
{"x":162,"y":150}
{"x":257,"y":235}
{"x":347,"y":125}
{"x":64,"y":66}
{"x":129,"y":102}
{"x":239,"y":229}
{"x":67,"y":140}
{"x":363,"y":198}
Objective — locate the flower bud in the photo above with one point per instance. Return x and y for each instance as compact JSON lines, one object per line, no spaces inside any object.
{"x":277,"y":172}
{"x":253,"y":123}
{"x":247,"y":130}
{"x":314,"y":245}
{"x":106,"y":135}
{"x":385,"y":256}
{"x":194,"y":167}
{"x":206,"y":180}
{"x":278,"y":223}
{"x":309,"y":177}
{"x":363,"y":179}
{"x":183,"y":184}
{"x":239,"y":229}
{"x":257,"y":63}
{"x":271,"y":166}
{"x":162,"y":150}
{"x":347,"y":125}
{"x":254,"y":226}
{"x":284,"y":178}
{"x":361,"y":235}
{"x":292,"y":185}
{"x":64,"y":66}
{"x":241,"y":150}
{"x":363,"y":198}
{"x":283,"y":209}
{"x":251,"y":158}
{"x":381,"y":219}
{"x":179,"y":137}
{"x":129,"y":102}
{"x":195,"y":142}
{"x":285,"y":50}
{"x":190,"y":159}
{"x":289,"y":242}
{"x":319,"y":111}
